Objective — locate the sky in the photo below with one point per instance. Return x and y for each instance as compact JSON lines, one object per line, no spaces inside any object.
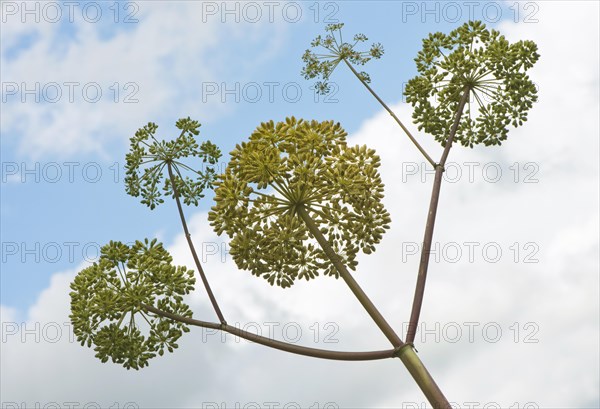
{"x":511,"y":309}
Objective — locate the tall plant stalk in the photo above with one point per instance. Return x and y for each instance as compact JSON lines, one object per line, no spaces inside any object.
{"x":433,"y":204}
{"x":392,"y":114}
{"x":188,"y":238}
{"x":403,"y":350}
{"x":431,"y":216}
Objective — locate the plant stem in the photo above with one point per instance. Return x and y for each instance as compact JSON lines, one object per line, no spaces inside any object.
{"x":384,"y":105}
{"x":431,"y":215}
{"x":271,"y":343}
{"x":417,"y":369}
{"x":404,"y":350}
{"x":345,"y":274}
{"x":188,"y":237}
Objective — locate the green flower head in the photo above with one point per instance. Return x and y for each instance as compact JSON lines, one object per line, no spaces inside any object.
{"x":289,"y":165}
{"x":484,"y":62}
{"x":146,"y":151}
{"x":107,"y":299}
{"x":336,"y":50}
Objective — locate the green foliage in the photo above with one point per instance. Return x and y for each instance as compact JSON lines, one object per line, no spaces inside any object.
{"x":146,"y":150}
{"x":323,"y":65}
{"x":108,"y":296}
{"x":290,"y":164}
{"x":484,"y":62}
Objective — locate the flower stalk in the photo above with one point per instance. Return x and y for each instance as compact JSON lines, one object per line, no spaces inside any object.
{"x":405,"y":351}
{"x":392,"y":114}
{"x":280,"y":345}
{"x":358,"y":292}
{"x":431,"y":215}
{"x":188,"y":238}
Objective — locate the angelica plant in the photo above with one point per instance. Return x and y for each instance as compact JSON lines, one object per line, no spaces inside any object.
{"x":296,"y":201}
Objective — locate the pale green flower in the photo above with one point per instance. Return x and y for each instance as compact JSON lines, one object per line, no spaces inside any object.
{"x":492,"y":69}
{"x":290,"y":164}
{"x":107,"y":298}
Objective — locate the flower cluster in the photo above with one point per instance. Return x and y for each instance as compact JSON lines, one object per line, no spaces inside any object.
{"x":147,"y":151}
{"x":491,"y":69}
{"x":284,"y":166}
{"x":323,"y":65}
{"x":109,"y":295}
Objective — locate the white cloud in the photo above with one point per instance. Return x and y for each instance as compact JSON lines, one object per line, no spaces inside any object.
{"x":7,"y":313}
{"x":153,"y":69}
{"x":42,"y":363}
{"x":554,"y":300}
{"x":558,"y":294}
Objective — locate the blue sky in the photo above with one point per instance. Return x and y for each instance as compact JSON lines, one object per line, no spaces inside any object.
{"x":159,"y":61}
{"x":269,"y":63}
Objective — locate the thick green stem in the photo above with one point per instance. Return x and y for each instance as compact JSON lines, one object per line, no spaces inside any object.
{"x":417,"y":369}
{"x":384,"y":105}
{"x":404,"y":351}
{"x":431,"y":215}
{"x":188,"y":237}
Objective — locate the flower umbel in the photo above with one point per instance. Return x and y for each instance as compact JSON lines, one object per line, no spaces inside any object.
{"x":323,"y":65}
{"x":484,"y":62}
{"x":107,"y":298}
{"x":296,"y":163}
{"x":147,"y":150}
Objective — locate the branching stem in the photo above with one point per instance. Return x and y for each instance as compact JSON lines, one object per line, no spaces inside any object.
{"x":188,"y":237}
{"x":387,"y":330}
{"x":283,"y":346}
{"x":428,"y":238}
{"x":384,"y":105}
{"x":405,"y":351}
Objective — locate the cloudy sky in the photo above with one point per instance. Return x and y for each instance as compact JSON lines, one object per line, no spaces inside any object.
{"x":511,"y":312}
